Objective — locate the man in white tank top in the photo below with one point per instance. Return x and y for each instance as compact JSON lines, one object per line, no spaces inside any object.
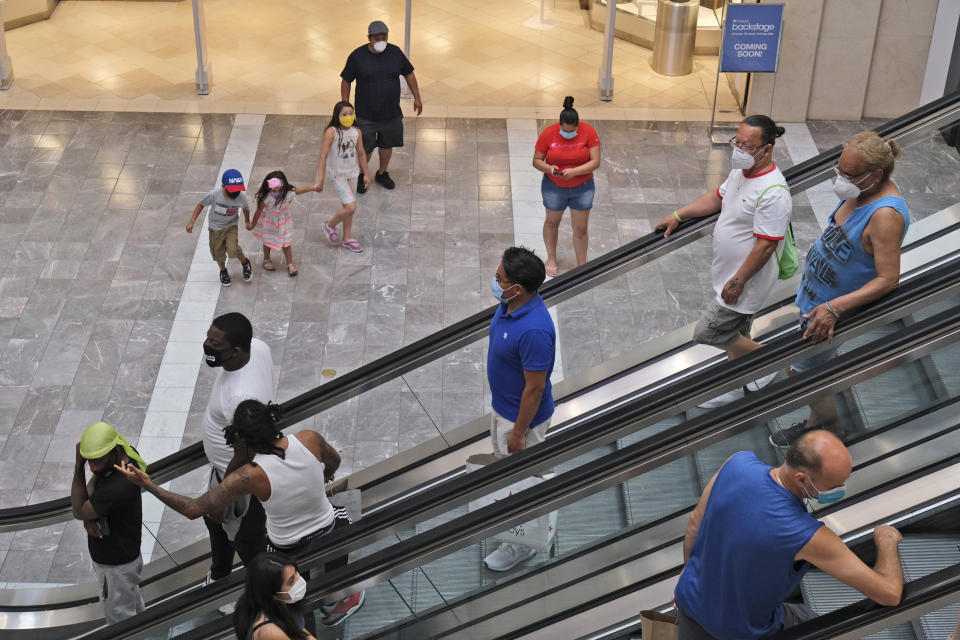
{"x":286,"y":474}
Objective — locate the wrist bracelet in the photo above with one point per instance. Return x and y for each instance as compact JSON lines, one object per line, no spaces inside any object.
{"x":830,"y":309}
{"x":677,"y":216}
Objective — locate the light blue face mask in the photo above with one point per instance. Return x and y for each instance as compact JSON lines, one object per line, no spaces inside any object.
{"x":827,"y":497}
{"x":569,"y":135}
{"x":498,"y":290}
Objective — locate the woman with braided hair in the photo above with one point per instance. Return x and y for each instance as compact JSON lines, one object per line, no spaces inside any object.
{"x":287,"y":474}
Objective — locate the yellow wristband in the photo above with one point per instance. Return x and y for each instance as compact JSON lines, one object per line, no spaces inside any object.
{"x":677,"y":216}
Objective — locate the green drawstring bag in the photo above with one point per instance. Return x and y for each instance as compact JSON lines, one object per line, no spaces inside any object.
{"x":788,"y":260}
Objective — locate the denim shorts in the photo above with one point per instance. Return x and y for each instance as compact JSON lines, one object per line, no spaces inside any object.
{"x":579,"y":198}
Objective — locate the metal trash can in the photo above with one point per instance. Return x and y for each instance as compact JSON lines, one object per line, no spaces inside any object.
{"x":674,"y":37}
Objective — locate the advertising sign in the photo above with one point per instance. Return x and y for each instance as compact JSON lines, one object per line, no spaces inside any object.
{"x":751,"y":38}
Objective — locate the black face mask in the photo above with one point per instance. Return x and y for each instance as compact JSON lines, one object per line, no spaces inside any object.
{"x":215,"y":358}
{"x":233,"y":194}
{"x":104,"y":473}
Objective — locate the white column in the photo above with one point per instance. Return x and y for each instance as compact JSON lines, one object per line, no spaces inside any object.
{"x":606,"y":71}
{"x":204,"y":67}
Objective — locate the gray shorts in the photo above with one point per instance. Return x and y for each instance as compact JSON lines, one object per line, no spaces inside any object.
{"x":119,"y":587}
{"x":385,"y":134}
{"x":720,"y":326}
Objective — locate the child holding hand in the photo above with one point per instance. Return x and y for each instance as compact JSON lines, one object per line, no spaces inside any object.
{"x":272,"y":222}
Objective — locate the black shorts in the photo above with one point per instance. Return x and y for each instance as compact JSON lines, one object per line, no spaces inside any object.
{"x":385,"y":134}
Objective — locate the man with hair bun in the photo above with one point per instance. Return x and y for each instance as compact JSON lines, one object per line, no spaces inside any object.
{"x":755,"y":207}
{"x":736,"y":576}
{"x":854,"y":262}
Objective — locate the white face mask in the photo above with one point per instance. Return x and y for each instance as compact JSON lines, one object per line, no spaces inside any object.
{"x":297,"y":591}
{"x":742,"y":160}
{"x":379,"y":46}
{"x":846,"y":189}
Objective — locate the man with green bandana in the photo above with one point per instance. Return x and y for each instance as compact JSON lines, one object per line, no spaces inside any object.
{"x":112,"y":515}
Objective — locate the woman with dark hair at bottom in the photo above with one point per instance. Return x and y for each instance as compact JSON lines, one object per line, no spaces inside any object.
{"x":271,"y":607}
{"x":567,"y":152}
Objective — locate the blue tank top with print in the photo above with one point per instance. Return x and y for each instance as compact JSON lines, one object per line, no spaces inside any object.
{"x":837,"y":263}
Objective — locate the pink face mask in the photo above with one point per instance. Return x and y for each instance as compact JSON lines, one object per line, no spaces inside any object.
{"x":274,"y":183}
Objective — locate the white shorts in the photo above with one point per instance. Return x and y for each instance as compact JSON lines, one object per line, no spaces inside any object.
{"x":500,"y":429}
{"x":342,"y":186}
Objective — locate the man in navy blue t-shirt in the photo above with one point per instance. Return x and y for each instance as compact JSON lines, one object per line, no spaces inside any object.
{"x":377,"y":67}
{"x":519,"y":363}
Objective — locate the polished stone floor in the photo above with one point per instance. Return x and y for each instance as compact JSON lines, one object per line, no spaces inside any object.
{"x":104,"y":298}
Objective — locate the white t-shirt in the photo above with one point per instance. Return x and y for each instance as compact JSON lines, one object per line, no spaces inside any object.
{"x":252,"y":381}
{"x":754,"y":207}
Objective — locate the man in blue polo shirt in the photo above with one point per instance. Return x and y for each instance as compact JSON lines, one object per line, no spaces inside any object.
{"x":519,"y":363}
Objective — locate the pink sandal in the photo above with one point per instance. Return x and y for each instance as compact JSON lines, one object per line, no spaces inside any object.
{"x":332,"y":236}
{"x":352,"y":245}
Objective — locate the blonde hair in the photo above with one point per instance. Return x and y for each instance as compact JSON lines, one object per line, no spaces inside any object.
{"x":875,"y":152}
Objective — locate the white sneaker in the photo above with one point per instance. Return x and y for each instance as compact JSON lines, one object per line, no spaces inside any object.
{"x":507,"y":556}
{"x":760,"y":383}
{"x":226,"y":609}
{"x":719,"y":401}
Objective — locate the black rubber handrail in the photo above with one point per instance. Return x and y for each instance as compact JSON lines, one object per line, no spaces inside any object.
{"x":610,"y":469}
{"x":916,"y":595}
{"x":450,"y":338}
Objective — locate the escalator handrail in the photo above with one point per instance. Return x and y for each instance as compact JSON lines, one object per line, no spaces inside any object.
{"x":448,"y":339}
{"x":549,"y":495}
{"x":916,"y":594}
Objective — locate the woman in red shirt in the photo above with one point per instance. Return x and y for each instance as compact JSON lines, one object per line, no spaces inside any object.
{"x":567,"y":153}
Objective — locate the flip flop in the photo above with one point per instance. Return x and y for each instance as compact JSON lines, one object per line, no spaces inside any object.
{"x":292,"y":270}
{"x":268,"y":265}
{"x":553,"y":272}
{"x":332,"y":236}
{"x":352,"y":245}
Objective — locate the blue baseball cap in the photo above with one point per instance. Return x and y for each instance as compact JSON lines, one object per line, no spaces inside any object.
{"x":233,"y":181}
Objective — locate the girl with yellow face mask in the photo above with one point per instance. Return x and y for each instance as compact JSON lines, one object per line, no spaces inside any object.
{"x":342,"y":159}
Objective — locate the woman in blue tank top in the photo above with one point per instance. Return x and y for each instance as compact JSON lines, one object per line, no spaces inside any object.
{"x":855,"y":261}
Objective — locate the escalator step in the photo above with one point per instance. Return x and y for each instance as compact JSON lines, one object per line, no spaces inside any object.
{"x":663,"y":490}
{"x":824,"y":594}
{"x":922,"y":555}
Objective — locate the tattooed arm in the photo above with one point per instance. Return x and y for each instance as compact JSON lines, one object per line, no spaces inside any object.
{"x":212,"y":504}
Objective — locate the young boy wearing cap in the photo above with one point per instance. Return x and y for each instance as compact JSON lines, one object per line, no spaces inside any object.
{"x":225,"y":204}
{"x":112,"y":515}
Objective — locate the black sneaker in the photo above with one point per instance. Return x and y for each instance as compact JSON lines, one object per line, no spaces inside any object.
{"x":247,"y":271}
{"x":224,"y":278}
{"x":384,"y":180}
{"x":788,"y":436}
{"x":361,"y":187}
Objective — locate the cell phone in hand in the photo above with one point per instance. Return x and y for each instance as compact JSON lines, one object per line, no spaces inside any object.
{"x":103,"y":526}
{"x":558,"y":172}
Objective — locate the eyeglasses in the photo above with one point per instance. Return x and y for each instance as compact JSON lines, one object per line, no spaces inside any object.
{"x":743,"y":147}
{"x":841,"y":174}
{"x":500,"y":281}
